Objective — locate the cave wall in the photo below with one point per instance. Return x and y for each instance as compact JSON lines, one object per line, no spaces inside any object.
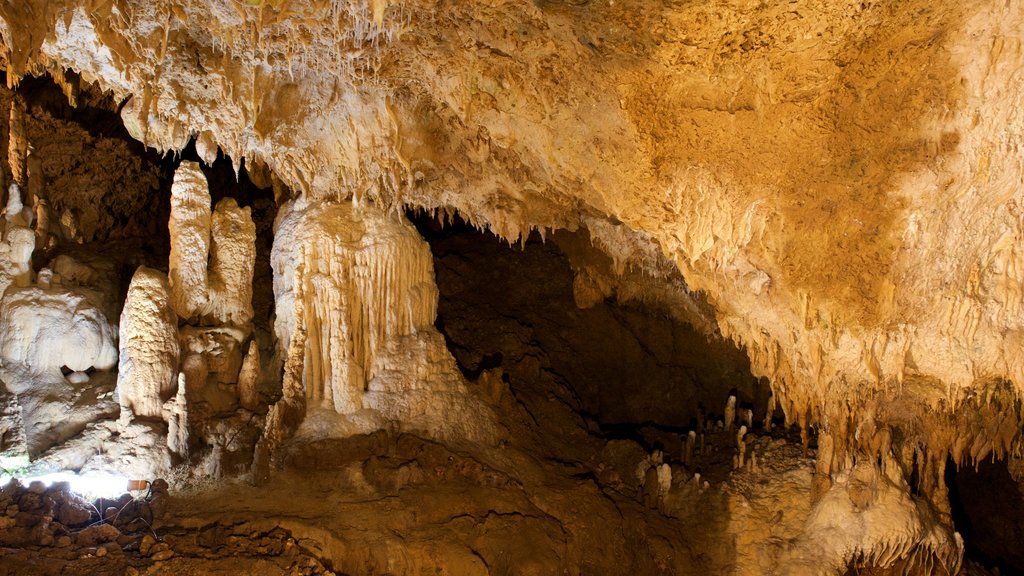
{"x":838,"y":179}
{"x":838,"y":183}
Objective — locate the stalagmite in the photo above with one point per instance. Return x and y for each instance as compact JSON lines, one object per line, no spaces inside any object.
{"x":651,"y":487}
{"x":190,"y":240}
{"x":16,"y":213}
{"x":741,"y":446}
{"x":232,"y":256}
{"x":730,"y":413}
{"x":664,"y":479}
{"x":13,"y":444}
{"x":212,"y":255}
{"x":834,"y":188}
{"x":177,"y":420}
{"x":691,"y":439}
{"x":17,"y":244}
{"x":148,"y":363}
{"x":285,"y":415}
{"x":249,"y":378}
{"x":42,"y":224}
{"x":17,"y":144}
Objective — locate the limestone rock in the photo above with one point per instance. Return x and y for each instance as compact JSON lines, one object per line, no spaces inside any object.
{"x":148,"y":364}
{"x":15,"y":257}
{"x":212,"y":256}
{"x":13,"y":445}
{"x":176,"y":410}
{"x":52,"y":328}
{"x":220,"y":348}
{"x":190,"y":241}
{"x":368,"y":279}
{"x":249,"y":378}
{"x":232,"y":257}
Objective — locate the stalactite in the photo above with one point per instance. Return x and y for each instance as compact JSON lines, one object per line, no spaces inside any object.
{"x":17,"y":145}
{"x":372,"y":278}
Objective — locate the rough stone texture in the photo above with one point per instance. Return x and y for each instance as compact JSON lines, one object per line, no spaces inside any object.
{"x":837,"y":179}
{"x":148,"y":364}
{"x":49,"y":328}
{"x":13,"y":444}
{"x":368,"y":300}
{"x":232,"y":260}
{"x":16,"y":255}
{"x":212,"y":255}
{"x":190,"y":241}
{"x":368,"y":280}
{"x":249,"y":378}
{"x":92,"y":204}
{"x":839,"y":182}
{"x":53,"y":328}
{"x":220,"y":349}
{"x":177,"y":420}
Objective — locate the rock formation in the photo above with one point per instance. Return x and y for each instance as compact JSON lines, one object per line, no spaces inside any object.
{"x":148,"y":364}
{"x":368,"y":278}
{"x":13,"y":444}
{"x":53,"y":328}
{"x":212,"y":256}
{"x":830,"y":190}
{"x":363,"y":282}
{"x":249,"y":378}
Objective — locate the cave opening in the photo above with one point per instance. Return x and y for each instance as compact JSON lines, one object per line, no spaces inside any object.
{"x":627,"y":369}
{"x":988,"y":511}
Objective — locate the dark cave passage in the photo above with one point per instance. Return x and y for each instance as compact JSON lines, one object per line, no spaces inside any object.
{"x":627,"y":368}
{"x":988,"y":512}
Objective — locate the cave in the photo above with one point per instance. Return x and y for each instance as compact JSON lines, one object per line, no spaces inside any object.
{"x":578,"y":287}
{"x":626,"y":368}
{"x":987,"y":507}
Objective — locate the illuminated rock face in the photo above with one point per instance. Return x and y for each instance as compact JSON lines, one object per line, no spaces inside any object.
{"x":148,"y":364}
{"x":212,"y":255}
{"x":367,"y":280}
{"x":839,"y":183}
{"x":845,"y":202}
{"x":363,"y":283}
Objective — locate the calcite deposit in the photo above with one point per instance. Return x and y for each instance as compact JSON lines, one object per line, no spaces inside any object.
{"x":524,"y":287}
{"x":148,"y":363}
{"x":212,"y":254}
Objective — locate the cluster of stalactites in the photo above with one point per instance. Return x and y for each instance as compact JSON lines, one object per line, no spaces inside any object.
{"x":900,"y":428}
{"x":367,"y":279}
